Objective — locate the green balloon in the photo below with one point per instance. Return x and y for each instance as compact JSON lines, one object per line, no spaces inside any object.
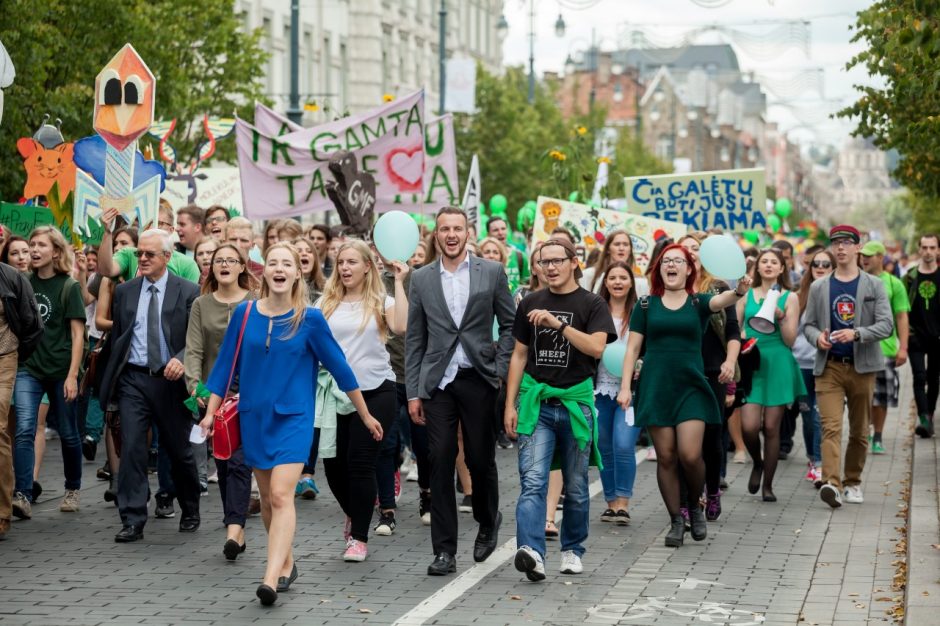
{"x":774,"y":222}
{"x":573,"y":196}
{"x":531,"y":204}
{"x":498,"y":204}
{"x":783,"y":208}
{"x":525,"y":218}
{"x":751,"y":236}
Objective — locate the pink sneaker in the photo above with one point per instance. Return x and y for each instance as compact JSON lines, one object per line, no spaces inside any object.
{"x":397,"y":485}
{"x":651,"y":454}
{"x":810,"y":471}
{"x":347,"y":529}
{"x":356,"y":551}
{"x":817,"y":477}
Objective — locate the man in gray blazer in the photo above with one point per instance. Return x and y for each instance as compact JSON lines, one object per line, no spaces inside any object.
{"x":453,"y":370}
{"x":847,"y":315}
{"x":144,"y":376}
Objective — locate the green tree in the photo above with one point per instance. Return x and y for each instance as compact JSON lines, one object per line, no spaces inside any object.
{"x":201,"y":58}
{"x":903,"y":39}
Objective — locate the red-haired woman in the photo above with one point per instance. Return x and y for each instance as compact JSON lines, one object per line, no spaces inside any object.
{"x":674,"y":399}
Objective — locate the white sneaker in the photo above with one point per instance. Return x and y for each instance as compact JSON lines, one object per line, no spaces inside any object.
{"x":830,"y":495}
{"x":529,"y":561}
{"x":853,"y":495}
{"x":413,"y":473}
{"x":570,"y":563}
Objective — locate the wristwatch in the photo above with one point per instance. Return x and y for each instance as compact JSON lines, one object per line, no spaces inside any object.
{"x":561,"y":329}
{"x":857,"y":336}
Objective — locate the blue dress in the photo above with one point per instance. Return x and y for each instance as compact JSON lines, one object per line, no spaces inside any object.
{"x":277,"y":382}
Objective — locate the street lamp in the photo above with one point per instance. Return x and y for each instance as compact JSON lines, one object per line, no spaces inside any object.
{"x":502,"y":29}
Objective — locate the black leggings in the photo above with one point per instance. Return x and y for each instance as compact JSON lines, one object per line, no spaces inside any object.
{"x":925,"y":364}
{"x":351,"y":474}
{"x":713,"y":451}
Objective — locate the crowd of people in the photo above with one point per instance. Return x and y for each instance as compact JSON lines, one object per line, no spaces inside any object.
{"x":371,"y":365}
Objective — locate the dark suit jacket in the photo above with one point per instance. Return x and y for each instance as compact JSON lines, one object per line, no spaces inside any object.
{"x":174,"y":317}
{"x":432,"y":336}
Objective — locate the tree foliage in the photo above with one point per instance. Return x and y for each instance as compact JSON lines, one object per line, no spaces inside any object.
{"x":515,"y":142}
{"x":903,"y":39}
{"x":202,"y":60}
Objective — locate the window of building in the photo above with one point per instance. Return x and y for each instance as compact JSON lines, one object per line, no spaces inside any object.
{"x":267,"y":46}
{"x":327,"y":59}
{"x":344,"y":74}
{"x":665,"y":149}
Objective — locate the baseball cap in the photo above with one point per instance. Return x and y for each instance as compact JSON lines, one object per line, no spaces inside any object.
{"x":570,"y":252}
{"x":872,"y":248}
{"x":844,"y":231}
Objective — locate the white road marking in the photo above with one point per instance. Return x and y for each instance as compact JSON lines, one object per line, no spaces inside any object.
{"x":440,"y":599}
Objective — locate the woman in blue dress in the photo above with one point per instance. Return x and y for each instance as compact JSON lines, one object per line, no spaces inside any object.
{"x":283,"y":345}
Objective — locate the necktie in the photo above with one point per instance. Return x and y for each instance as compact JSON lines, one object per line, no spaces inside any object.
{"x":154,"y":358}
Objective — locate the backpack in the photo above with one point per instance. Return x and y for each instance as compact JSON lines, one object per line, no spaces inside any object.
{"x":21,"y":311}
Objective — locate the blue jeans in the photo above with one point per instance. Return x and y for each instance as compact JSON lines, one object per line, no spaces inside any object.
{"x":616,"y":441}
{"x":812,"y":430}
{"x":553,"y":431}
{"x":63,"y":416}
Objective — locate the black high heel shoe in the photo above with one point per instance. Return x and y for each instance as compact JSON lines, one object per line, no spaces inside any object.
{"x":676,"y":534}
{"x":754,"y":483}
{"x":267,"y":595}
{"x":699,"y":525}
{"x":232,"y":549}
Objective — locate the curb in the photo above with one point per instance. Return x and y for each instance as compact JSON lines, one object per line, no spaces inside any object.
{"x":923,"y":557}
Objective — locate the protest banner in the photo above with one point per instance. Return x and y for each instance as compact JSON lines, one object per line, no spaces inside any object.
{"x":472,"y":194}
{"x":21,"y":219}
{"x":590,"y":225}
{"x":728,"y":199}
{"x":440,"y":165}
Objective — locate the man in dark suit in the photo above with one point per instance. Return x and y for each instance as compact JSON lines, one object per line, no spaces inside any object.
{"x":453,"y":371}
{"x":144,"y":374}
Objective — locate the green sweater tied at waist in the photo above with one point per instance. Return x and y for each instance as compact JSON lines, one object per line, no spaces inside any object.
{"x":531,"y":395}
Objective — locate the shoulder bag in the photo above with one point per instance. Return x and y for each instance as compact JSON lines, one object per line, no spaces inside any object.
{"x":226,"y":432}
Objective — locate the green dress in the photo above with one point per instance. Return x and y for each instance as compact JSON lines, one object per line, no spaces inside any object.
{"x":778,"y":381}
{"x":672,"y":386}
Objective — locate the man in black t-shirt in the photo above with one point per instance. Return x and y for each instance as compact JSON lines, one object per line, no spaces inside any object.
{"x":560,"y":333}
{"x":924,"y":346}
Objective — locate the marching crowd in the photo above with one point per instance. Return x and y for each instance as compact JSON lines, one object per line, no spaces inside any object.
{"x":368,"y":364}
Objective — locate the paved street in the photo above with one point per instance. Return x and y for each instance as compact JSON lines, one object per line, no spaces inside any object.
{"x":762,"y":563}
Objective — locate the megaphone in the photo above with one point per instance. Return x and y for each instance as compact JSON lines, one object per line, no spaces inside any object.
{"x":765,"y":320}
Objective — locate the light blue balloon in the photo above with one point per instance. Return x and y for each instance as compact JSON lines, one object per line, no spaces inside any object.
{"x":722,"y":257}
{"x":613,"y":358}
{"x":495,"y":329}
{"x":396,"y":236}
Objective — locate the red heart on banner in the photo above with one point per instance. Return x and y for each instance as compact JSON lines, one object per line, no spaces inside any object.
{"x":406,"y":168}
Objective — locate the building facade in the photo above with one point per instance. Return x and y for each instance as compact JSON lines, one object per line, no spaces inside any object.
{"x":352,"y":52}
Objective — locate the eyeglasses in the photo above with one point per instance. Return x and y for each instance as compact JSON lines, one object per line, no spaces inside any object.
{"x":225,"y":262}
{"x":673,"y":262}
{"x":165,"y":224}
{"x":547,"y":263}
{"x":140,"y":254}
{"x":215,"y":219}
{"x":842,"y":243}
{"x":823,"y":265}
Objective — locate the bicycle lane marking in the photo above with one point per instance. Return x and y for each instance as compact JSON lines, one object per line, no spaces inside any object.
{"x":443,"y":597}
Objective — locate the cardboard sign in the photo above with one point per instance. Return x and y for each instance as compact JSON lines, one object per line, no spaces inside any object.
{"x":21,"y":219}
{"x":206,"y":187}
{"x":729,"y":199}
{"x":352,"y":192}
{"x":589,"y":226}
{"x":472,"y":193}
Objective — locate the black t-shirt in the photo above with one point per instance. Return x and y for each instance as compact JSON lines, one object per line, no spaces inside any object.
{"x":552,"y":359}
{"x":925,"y":306}
{"x":713,"y":344}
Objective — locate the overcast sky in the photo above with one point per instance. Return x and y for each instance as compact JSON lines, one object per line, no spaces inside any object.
{"x":668,"y":20}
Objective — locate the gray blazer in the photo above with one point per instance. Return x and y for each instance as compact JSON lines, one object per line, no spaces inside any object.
{"x":873,"y":320}
{"x":174,"y":317}
{"x":432,"y":336}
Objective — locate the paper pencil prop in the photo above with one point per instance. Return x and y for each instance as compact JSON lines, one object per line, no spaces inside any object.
{"x":124,"y":103}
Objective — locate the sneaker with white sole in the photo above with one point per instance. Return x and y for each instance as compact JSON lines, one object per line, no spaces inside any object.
{"x":71,"y":501}
{"x":853,"y":494}
{"x":356,"y":551}
{"x":570,"y":563}
{"x":386,"y":525}
{"x":21,"y":506}
{"x":830,"y":495}
{"x":530,"y":562}
{"x":424,"y":508}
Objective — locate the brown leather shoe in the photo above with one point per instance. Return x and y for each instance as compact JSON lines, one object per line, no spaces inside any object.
{"x":4,"y":528}
{"x":254,"y":506}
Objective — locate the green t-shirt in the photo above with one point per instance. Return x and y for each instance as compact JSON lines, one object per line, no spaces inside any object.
{"x":897,"y":297}
{"x":517,"y":268}
{"x":53,"y":355}
{"x":179,"y":265}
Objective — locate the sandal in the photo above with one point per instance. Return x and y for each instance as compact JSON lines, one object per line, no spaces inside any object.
{"x":551,"y":531}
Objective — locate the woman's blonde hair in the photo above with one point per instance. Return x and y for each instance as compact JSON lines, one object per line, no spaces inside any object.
{"x":62,"y":265}
{"x":373,"y":292}
{"x":315,"y":277}
{"x":503,"y":254}
{"x":298,"y":291}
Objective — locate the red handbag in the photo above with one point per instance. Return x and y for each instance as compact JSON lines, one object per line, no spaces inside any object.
{"x":226,"y":432}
